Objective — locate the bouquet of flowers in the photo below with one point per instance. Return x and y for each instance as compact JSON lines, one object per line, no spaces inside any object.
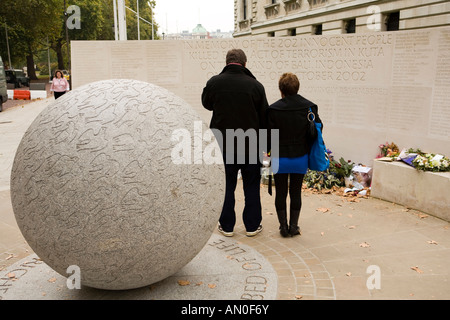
{"x":388,"y":150}
{"x":431,"y":162}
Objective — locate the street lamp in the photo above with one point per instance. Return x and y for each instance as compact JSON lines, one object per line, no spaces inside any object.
{"x":137,"y":9}
{"x":151,"y":8}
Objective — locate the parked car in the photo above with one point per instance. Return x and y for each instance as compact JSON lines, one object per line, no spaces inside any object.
{"x":22,"y":78}
{"x":11,"y":78}
{"x":3,"y":90}
{"x":17,"y":77}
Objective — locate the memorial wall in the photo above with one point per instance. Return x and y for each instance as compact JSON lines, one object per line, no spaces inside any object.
{"x":370,"y":87}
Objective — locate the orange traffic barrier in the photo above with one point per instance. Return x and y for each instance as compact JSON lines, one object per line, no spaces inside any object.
{"x":22,"y":95}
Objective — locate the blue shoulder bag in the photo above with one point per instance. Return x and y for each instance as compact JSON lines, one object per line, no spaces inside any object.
{"x":318,"y":159}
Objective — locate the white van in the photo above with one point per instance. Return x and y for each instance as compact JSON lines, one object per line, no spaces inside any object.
{"x":3,"y":90}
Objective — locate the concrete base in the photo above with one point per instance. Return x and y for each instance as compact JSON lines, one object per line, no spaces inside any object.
{"x":223,"y":270}
{"x":425,"y":191}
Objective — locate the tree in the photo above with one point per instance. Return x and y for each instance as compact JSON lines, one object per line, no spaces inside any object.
{"x":144,"y":12}
{"x":92,"y":21}
{"x":29,"y":23}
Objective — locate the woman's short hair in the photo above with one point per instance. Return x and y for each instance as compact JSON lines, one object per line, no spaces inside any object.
{"x":289,"y":84}
{"x":56,"y":73}
{"x":236,"y":56}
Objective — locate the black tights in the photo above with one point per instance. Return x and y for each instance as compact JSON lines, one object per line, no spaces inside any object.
{"x":295,"y":190}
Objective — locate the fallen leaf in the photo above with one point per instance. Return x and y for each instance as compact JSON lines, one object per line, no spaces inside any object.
{"x":322,"y":233}
{"x":183,"y":282}
{"x":11,"y":275}
{"x":211,"y":285}
{"x":423,"y":216}
{"x":269,"y":213}
{"x":199,"y":283}
{"x":52,"y":280}
{"x":348,"y":274}
{"x":432,"y":242}
{"x":323,"y":210}
{"x":416,"y":269}
{"x":364,"y":245}
{"x":298,"y":297}
{"x":352,"y":227}
{"x":9,"y":257}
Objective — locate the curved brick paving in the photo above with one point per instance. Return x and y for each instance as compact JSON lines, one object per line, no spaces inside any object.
{"x":328,"y":262}
{"x":301,"y":275}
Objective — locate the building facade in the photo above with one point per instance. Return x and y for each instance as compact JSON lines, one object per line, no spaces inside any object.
{"x":269,"y":18}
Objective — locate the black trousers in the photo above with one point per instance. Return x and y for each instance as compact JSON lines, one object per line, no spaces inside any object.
{"x":293,"y":186}
{"x":58,"y":94}
{"x":251,"y":177}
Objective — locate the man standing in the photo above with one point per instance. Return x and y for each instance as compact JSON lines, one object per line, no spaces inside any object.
{"x":238,"y":102}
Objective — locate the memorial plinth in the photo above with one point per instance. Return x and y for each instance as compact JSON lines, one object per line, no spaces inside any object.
{"x":397,"y":182}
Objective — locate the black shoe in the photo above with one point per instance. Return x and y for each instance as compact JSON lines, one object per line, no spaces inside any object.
{"x":293,"y":223}
{"x":284,"y":231}
{"x":294,"y":230}
{"x":282,"y":219}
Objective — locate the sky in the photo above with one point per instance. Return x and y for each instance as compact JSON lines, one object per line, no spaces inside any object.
{"x":175,"y":16}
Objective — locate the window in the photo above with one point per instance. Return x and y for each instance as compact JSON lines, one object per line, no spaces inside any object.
{"x":350,"y":26}
{"x":317,"y":3}
{"x":393,"y":21}
{"x":292,"y":32}
{"x":271,"y":34}
{"x":274,"y":1}
{"x":244,"y":6}
{"x":317,"y":29}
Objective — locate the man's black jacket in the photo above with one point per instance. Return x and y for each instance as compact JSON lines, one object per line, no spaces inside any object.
{"x":237,"y":100}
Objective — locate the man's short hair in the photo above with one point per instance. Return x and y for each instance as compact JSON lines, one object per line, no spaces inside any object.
{"x":236,"y":56}
{"x":289,"y":84}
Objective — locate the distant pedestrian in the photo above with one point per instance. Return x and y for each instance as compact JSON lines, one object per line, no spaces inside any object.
{"x":289,"y":116}
{"x":59,"y":84}
{"x":238,"y":101}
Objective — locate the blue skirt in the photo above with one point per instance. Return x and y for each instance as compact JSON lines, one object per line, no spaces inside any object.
{"x":291,"y":165}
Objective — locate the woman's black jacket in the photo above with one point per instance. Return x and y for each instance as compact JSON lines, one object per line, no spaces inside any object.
{"x":289,"y":115}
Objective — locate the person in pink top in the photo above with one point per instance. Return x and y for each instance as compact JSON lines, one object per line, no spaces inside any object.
{"x":59,"y":84}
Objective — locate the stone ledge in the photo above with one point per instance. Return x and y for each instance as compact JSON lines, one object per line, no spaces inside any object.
{"x":425,"y":191}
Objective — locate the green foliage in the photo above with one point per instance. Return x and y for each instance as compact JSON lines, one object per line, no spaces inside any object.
{"x":333,"y":177}
{"x":342,"y":168}
{"x":30,"y":22}
{"x":321,"y":180}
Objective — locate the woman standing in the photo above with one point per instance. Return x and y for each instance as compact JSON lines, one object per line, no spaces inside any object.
{"x":289,"y":116}
{"x":59,"y":84}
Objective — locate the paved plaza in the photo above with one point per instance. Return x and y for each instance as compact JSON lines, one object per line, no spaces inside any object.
{"x":350,"y":248}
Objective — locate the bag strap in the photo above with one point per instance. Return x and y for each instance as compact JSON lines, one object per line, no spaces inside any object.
{"x":311,"y":113}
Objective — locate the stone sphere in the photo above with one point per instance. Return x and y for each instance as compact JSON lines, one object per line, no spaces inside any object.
{"x":94,"y":184}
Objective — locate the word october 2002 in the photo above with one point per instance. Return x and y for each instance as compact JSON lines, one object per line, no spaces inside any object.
{"x":251,"y":309}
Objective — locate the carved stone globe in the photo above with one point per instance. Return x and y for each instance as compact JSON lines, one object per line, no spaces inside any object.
{"x":97,"y":182}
